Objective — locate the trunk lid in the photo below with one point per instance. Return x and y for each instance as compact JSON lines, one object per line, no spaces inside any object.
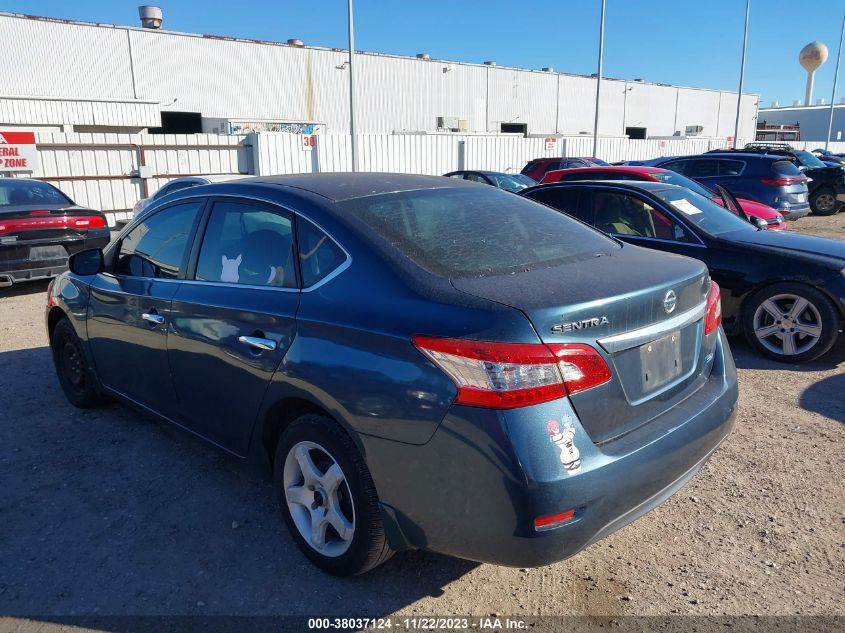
{"x":641,"y":309}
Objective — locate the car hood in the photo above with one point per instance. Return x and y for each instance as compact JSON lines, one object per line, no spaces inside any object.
{"x":819,"y":249}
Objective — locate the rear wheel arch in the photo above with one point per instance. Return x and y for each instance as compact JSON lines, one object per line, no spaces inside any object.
{"x":283,"y":413}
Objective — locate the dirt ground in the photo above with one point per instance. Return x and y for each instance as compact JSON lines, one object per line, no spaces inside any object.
{"x":108,"y":513}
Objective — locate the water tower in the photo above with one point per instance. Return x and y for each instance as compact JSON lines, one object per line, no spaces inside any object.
{"x":811,"y":57}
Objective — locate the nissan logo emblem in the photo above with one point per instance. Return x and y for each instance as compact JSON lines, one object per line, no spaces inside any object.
{"x":670,"y":301}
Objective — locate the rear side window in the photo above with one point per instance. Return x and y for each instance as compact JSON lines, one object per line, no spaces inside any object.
{"x":156,"y":247}
{"x":475,"y":233}
{"x":246,"y":244}
{"x":785,"y":168}
{"x":679,"y":166}
{"x":530,"y":166}
{"x":319,"y":256}
{"x":730,"y":167}
{"x":565,"y":200}
{"x":703,"y":169}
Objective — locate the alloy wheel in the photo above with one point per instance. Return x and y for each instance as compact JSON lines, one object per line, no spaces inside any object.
{"x":318,"y":499}
{"x":787,"y":324}
{"x":825,"y":202}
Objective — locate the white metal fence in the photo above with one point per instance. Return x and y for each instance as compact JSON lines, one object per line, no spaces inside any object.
{"x":112,"y":171}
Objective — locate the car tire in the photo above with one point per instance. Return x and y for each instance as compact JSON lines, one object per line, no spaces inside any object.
{"x":773,"y":327}
{"x":328,"y":498}
{"x":824,"y":202}
{"x":72,"y":368}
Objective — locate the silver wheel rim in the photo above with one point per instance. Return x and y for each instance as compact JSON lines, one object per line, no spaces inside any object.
{"x":787,"y":324}
{"x":318,"y":498}
{"x":825,"y":202}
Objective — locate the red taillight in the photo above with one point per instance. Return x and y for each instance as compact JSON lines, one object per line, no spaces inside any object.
{"x":510,"y":375}
{"x":713,"y":316}
{"x":553,"y":520}
{"x":38,"y":220}
{"x":785,"y":181}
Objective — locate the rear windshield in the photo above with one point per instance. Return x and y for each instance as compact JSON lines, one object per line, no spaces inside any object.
{"x":786,"y":168}
{"x":29,"y":192}
{"x":457,"y":232}
{"x":808,"y":160}
{"x":701,"y":211}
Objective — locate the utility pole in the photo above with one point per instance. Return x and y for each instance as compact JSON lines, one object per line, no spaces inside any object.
{"x":833,"y":94}
{"x":598,"y":82}
{"x":352,"y":88}
{"x":741,"y":73}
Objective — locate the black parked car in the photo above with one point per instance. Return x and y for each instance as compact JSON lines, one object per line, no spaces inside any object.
{"x":784,"y":290}
{"x":772,"y":180}
{"x":825,"y":181}
{"x":39,"y":227}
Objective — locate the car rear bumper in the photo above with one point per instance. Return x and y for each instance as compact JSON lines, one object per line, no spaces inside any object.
{"x":476,"y":488}
{"x":20,"y":262}
{"x":795,"y":212}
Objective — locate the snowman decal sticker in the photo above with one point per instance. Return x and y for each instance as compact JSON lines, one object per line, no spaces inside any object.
{"x":564,"y":439}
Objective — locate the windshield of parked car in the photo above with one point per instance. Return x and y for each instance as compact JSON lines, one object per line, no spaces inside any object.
{"x":509,"y":182}
{"x":808,"y":160}
{"x":458,"y":232}
{"x":527,"y":181}
{"x":701,"y":211}
{"x":23,"y":192}
{"x":674,"y":178}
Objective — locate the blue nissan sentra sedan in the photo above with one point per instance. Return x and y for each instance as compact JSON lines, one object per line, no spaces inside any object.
{"x":419,"y":362}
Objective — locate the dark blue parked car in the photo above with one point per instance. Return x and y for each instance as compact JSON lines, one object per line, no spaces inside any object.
{"x":420,"y":362}
{"x":767,"y":178}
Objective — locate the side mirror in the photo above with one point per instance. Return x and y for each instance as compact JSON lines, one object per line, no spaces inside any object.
{"x":89,"y":262}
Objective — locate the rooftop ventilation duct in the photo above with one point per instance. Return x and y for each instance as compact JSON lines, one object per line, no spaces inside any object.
{"x":775,"y":104}
{"x":796,"y":103}
{"x":490,"y":63}
{"x":819,"y":101}
{"x":423,"y":56}
{"x":150,"y":16}
{"x":548,"y":69}
{"x":295,"y":42}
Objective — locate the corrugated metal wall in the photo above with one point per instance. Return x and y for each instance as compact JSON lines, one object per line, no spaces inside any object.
{"x":94,"y":169}
{"x":43,"y":111}
{"x":229,"y":79}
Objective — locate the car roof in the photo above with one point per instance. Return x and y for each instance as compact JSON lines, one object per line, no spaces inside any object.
{"x":617,"y":169}
{"x":646,"y":185}
{"x":345,"y":186}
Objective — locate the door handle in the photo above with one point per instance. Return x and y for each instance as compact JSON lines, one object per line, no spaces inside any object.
{"x":153,"y":318}
{"x":258,"y":343}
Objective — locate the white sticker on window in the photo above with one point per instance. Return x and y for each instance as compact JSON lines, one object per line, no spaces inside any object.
{"x":685,"y":206}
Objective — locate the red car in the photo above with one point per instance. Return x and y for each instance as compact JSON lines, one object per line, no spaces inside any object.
{"x":763,"y":216}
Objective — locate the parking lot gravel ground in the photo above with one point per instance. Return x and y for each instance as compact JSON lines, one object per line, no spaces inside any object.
{"x":105,"y":512}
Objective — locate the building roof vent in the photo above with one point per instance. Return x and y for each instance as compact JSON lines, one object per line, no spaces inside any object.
{"x":775,"y":104}
{"x":295,"y":42}
{"x":548,"y":69}
{"x":490,"y":63}
{"x":819,"y":101}
{"x":423,"y":56}
{"x":796,"y":103}
{"x":639,"y":81}
{"x":150,"y":16}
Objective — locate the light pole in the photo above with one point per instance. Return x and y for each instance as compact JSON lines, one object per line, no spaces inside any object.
{"x":833,"y":94}
{"x":598,"y":83}
{"x":352,"y":144}
{"x":741,"y":73}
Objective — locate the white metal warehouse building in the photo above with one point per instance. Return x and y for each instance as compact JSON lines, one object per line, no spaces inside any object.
{"x":67,"y":76}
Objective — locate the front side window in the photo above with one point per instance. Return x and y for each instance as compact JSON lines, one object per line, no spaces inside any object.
{"x":246,"y":244}
{"x":157,"y":247}
{"x":319,"y":256}
{"x":627,"y":215}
